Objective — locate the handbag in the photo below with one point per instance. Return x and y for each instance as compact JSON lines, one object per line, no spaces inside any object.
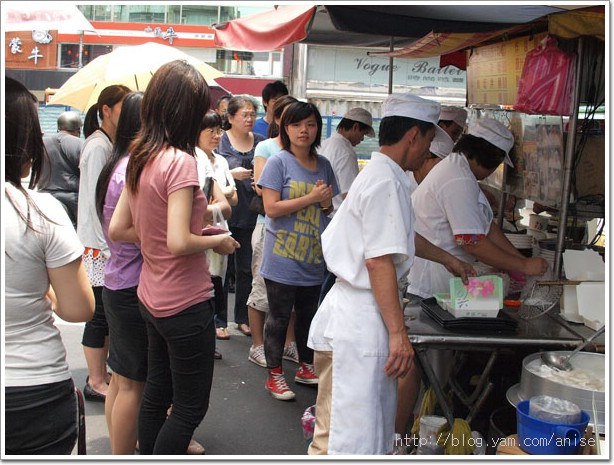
{"x":257,"y":205}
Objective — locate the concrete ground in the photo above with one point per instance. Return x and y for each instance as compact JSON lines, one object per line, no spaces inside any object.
{"x":243,"y":418}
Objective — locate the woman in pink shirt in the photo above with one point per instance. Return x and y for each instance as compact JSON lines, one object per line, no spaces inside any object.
{"x":163,"y":208}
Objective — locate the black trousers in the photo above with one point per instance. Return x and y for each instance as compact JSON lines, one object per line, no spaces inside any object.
{"x":180,"y":371}
{"x":243,"y":272}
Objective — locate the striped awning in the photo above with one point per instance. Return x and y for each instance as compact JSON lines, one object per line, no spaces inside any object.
{"x":568,"y":25}
{"x":590,"y":22}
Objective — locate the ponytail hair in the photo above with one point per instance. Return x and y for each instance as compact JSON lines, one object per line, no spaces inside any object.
{"x":280,"y":104}
{"x":110,"y":96}
{"x":128,"y":126}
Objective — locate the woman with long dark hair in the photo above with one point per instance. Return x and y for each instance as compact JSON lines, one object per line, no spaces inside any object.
{"x":297,"y":189}
{"x":96,"y":151}
{"x":44,"y":275}
{"x":127,"y":333}
{"x":163,"y":207}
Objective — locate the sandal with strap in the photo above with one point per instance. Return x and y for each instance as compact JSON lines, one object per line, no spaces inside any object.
{"x":222,"y":333}
{"x":244,"y":329}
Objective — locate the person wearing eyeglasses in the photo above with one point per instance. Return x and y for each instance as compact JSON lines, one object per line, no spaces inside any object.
{"x":237,"y":147}
{"x":209,"y":160}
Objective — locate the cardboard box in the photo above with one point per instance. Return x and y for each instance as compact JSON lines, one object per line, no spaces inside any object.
{"x":590,"y":173}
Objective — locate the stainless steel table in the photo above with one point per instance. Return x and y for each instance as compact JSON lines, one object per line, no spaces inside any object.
{"x":548,"y":332}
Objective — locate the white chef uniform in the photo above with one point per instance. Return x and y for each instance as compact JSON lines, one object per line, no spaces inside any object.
{"x":448,"y":202}
{"x":342,"y":157}
{"x":375,"y":219}
{"x":413,"y":184}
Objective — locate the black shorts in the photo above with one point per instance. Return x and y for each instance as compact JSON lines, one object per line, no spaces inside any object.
{"x":127,"y":333}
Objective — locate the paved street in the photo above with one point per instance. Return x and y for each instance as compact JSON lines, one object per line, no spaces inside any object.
{"x":243,"y":418}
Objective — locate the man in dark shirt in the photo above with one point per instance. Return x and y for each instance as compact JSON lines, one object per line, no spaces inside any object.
{"x":270,"y":93}
{"x":60,"y":173}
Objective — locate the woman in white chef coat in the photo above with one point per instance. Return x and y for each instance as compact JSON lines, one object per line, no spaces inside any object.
{"x":453,"y":213}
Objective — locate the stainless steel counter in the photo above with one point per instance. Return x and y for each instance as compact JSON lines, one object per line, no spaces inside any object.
{"x":547,"y":332}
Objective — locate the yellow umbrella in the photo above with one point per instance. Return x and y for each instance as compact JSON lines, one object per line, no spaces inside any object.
{"x":132,"y":66}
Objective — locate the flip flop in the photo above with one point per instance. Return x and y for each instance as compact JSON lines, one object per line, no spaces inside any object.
{"x":244,"y":329}
{"x":222,"y":333}
{"x":195,"y":448}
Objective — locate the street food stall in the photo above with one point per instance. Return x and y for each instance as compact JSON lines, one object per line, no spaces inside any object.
{"x":552,"y":149}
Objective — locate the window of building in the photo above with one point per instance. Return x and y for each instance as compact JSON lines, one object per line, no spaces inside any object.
{"x":69,"y":54}
{"x":140,"y":13}
{"x":97,"y":12}
{"x":249,"y":63}
{"x":192,"y":14}
{"x":205,"y":15}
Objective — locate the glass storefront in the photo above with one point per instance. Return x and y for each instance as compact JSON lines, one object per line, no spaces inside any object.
{"x":249,"y":63}
{"x":69,"y":54}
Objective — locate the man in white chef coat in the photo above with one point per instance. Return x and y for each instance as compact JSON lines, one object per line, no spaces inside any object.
{"x":359,"y":333}
{"x":339,"y":149}
{"x":453,"y":121}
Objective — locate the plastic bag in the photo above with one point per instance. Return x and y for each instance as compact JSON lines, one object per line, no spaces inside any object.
{"x":217,"y":262}
{"x":308,"y":421}
{"x":547,"y":82}
{"x":554,"y":410}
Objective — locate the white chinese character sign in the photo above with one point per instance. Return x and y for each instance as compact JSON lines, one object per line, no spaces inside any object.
{"x":157,"y":32}
{"x":15,"y":45}
{"x":35,"y":55}
{"x":31,"y":49}
{"x":169,"y":35}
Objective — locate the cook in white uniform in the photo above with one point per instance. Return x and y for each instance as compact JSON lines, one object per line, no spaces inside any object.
{"x":409,"y":385}
{"x":453,"y":213}
{"x":453,"y":120}
{"x":339,"y":149}
{"x":358,"y":333}
{"x":441,"y":146}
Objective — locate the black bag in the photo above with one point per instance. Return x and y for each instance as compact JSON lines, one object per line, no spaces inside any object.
{"x":257,"y":205}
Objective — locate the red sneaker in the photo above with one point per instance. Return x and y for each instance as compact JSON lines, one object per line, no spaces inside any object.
{"x":276,"y":385}
{"x":305,"y":374}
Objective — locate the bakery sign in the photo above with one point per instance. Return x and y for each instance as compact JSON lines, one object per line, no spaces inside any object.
{"x":31,"y":50}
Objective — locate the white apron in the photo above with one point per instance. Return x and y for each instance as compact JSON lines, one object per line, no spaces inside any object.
{"x":361,"y":391}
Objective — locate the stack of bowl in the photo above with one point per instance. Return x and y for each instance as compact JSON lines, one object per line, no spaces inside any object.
{"x":546,"y":249}
{"x":522,"y":242}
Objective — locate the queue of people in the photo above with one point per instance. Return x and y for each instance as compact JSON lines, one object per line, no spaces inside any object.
{"x":319,"y":253}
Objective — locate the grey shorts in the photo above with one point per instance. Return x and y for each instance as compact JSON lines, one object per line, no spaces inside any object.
{"x":257,"y":298}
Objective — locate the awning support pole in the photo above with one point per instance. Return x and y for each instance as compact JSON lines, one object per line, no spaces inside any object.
{"x":570,"y":151}
{"x":503,"y":198}
{"x":81,"y":49}
{"x":390,"y":62}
